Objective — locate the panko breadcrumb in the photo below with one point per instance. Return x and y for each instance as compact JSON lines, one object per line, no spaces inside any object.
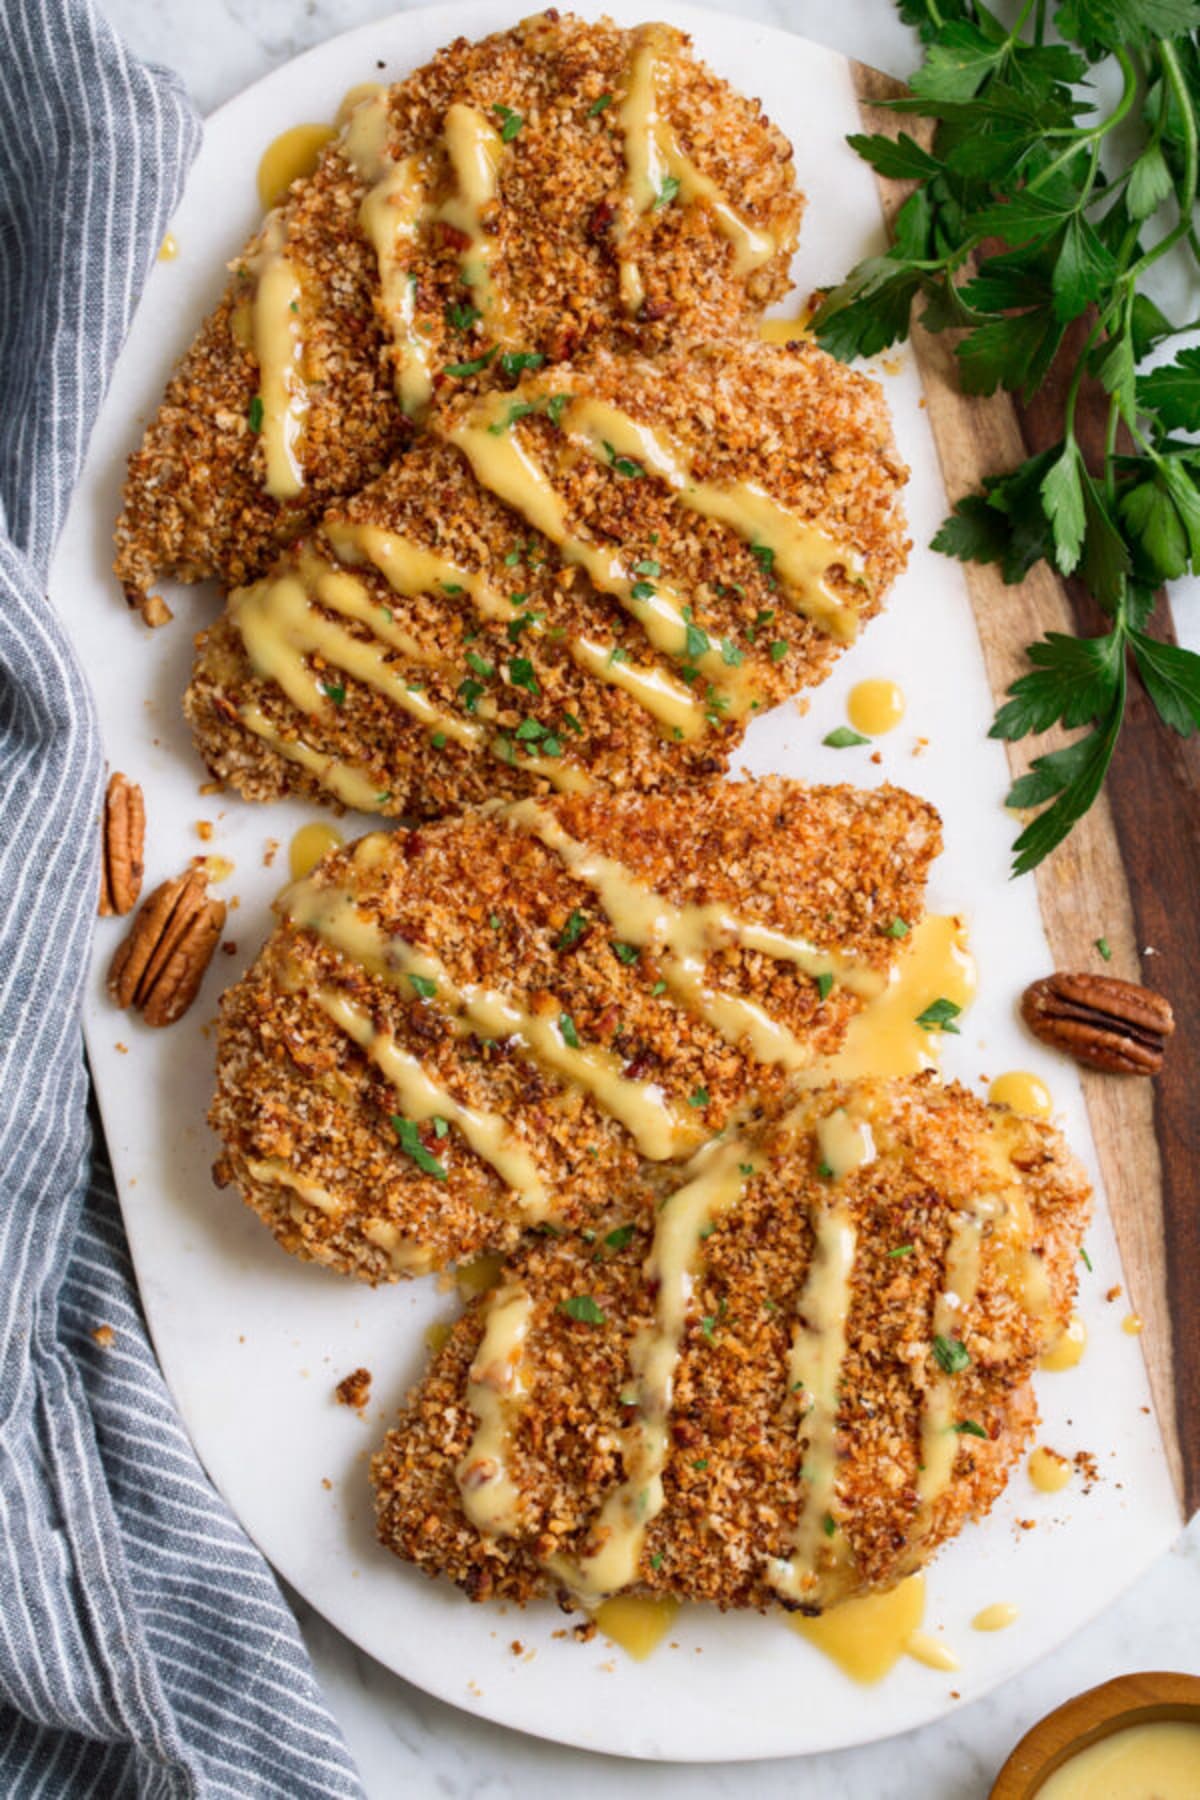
{"x":791,"y":422}
{"x":735,"y":1477}
{"x":195,"y":505}
{"x":307,"y":1119}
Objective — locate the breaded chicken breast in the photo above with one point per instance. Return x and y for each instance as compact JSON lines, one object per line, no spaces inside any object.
{"x":516,"y":199}
{"x":462,"y":1033}
{"x":598,"y":577}
{"x":789,"y":1382}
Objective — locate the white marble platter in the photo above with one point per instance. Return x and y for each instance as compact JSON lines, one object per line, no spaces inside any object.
{"x":252,"y":1343}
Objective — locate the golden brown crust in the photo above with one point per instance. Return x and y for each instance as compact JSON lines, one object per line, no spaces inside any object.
{"x":733,"y":1478}
{"x":812,"y":434}
{"x":194,"y":504}
{"x":832,"y":864}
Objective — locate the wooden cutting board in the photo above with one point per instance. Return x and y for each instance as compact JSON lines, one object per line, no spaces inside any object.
{"x":1130,"y":872}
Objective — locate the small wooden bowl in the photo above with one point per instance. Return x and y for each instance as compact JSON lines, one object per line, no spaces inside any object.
{"x":1140,"y":1699}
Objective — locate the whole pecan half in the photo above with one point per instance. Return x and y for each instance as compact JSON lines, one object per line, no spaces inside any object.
{"x":160,"y":965}
{"x":123,"y":848}
{"x":1109,"y":1024}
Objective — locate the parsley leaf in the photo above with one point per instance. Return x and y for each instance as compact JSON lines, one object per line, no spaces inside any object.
{"x":566,"y":1026}
{"x":510,"y":122}
{"x":572,"y":931}
{"x":410,"y":1142}
{"x":939,"y":1015}
{"x":584,"y":1309}
{"x":843,"y":738}
{"x":951,"y":1355}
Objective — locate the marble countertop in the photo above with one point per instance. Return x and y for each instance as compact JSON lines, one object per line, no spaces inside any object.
{"x":403,"y":1740}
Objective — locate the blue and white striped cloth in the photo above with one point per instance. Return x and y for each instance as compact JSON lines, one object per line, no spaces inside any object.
{"x":145,"y":1648}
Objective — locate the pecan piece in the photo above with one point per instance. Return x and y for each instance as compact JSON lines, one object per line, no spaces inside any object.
{"x":1109,"y":1024}
{"x":123,"y":847}
{"x":160,"y":965}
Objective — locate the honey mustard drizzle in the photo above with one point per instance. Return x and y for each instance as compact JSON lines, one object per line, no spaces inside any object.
{"x":398,"y":205}
{"x":495,"y":1391}
{"x":276,"y":331}
{"x":844,"y":1143}
{"x":801,"y":555}
{"x":281,"y":626}
{"x":683,"y":936}
{"x":659,"y":1131}
{"x":488,"y":1134}
{"x":718,"y":1176}
{"x":653,"y":158}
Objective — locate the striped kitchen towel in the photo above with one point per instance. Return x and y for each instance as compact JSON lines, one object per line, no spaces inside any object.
{"x":145,"y":1648}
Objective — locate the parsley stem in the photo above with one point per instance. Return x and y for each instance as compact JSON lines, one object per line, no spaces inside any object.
{"x":1187,"y":192}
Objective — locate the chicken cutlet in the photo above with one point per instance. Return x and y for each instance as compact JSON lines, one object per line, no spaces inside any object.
{"x":788,"y":1383}
{"x":599,"y":577}
{"x":461,"y":1033}
{"x":552,"y":185}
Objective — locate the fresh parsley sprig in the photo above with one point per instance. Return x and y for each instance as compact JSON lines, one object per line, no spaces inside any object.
{"x":1028,"y":213}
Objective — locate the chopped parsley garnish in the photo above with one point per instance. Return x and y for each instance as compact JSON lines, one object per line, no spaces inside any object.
{"x":618,"y":655}
{"x":572,"y":931}
{"x":843,"y":738}
{"x":495,"y":921}
{"x":643,"y":590}
{"x":529,"y":731}
{"x":440,"y":1127}
{"x":626,"y":953}
{"x":470,"y":692}
{"x":951,"y":1355}
{"x":510,"y":122}
{"x":570,"y":720}
{"x":829,"y":1525}
{"x":660,"y":987}
{"x":583,"y":1308}
{"x":514,"y":361}
{"x":1105,"y":948}
{"x":697,"y":642}
{"x":745,"y":1168}
{"x":624,"y":465}
{"x":450,"y":587}
{"x":1086,"y":1259}
{"x":825,"y":1171}
{"x":516,"y":626}
{"x":656,"y":1560}
{"x":647,"y":566}
{"x":438,"y":740}
{"x":779,"y":650}
{"x":410,"y":1143}
{"x":480,"y":664}
{"x":968,"y":1428}
{"x":254,"y":413}
{"x":334,"y":690}
{"x":424,"y":987}
{"x":825,"y":984}
{"x":475,"y":367}
{"x":701,"y":1462}
{"x":940,"y":1016}
{"x":517,"y":410}
{"x":520,"y":674}
{"x":599,"y":106}
{"x":617,"y":1240}
{"x":667,"y":192}
{"x":764,"y":556}
{"x":461,"y":315}
{"x":566,"y":1026}
{"x":698,"y":1098}
{"x":731,"y":656}
{"x":556,"y":405}
{"x":899,"y":928}
{"x":708,"y":1325}
{"x":902,"y":1250}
